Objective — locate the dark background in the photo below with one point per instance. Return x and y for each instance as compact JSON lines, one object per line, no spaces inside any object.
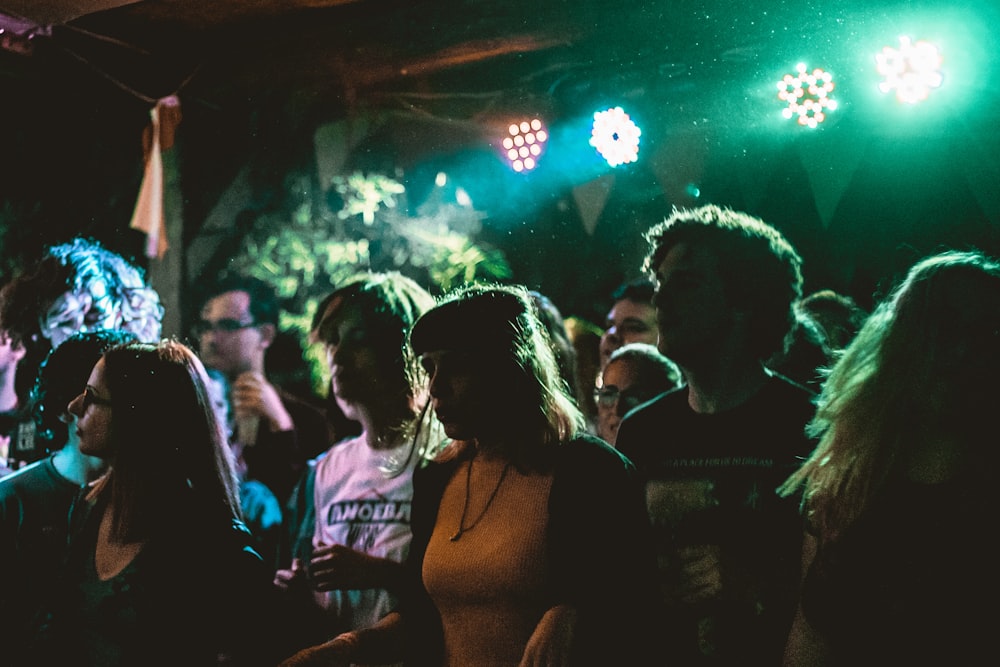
{"x":422,"y":87}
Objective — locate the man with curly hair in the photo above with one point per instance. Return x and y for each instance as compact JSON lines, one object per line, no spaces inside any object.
{"x":714,"y":450}
{"x":77,"y":286}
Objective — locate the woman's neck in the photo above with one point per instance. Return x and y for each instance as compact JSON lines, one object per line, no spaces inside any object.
{"x":75,"y":466}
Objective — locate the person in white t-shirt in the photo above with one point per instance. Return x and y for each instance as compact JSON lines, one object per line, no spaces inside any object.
{"x":354,"y":525}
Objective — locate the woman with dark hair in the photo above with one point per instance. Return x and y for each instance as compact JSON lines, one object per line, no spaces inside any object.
{"x":530,"y":538}
{"x":35,"y":500}
{"x":898,"y":496}
{"x":160,"y":569}
{"x":352,"y":529}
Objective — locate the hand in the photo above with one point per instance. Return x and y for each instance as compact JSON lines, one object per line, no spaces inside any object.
{"x":700,"y":573}
{"x":254,"y":396}
{"x":334,"y":653}
{"x":335,"y":567}
{"x":295,"y":577}
{"x":551,"y":643}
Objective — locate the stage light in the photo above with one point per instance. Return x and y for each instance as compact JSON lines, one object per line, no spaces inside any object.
{"x":807,"y":95}
{"x":615,"y":136}
{"x":524,"y":144}
{"x":912,"y":70}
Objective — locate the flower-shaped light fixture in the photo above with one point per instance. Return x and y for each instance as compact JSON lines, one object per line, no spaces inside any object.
{"x":806,"y":95}
{"x":911,"y":71}
{"x":615,"y":136}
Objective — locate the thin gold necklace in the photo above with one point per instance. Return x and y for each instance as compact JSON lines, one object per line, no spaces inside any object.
{"x":462,"y":528}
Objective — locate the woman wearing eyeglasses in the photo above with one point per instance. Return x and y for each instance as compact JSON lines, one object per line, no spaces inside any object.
{"x":161,"y":569}
{"x":530,"y":539}
{"x":634,"y":374}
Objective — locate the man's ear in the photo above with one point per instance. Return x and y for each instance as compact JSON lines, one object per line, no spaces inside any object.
{"x":19,"y":351}
{"x":267,"y":334}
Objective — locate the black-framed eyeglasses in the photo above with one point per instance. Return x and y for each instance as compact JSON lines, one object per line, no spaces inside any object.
{"x":611,"y":396}
{"x":90,"y":397}
{"x":606,"y":397}
{"x":225,"y":325}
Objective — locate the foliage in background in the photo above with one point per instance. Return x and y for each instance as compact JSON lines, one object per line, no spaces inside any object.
{"x":361,"y":223}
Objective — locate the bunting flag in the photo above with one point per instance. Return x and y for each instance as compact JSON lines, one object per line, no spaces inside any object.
{"x":157,"y":137}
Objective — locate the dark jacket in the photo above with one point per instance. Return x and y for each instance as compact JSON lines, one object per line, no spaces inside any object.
{"x":185,"y":599}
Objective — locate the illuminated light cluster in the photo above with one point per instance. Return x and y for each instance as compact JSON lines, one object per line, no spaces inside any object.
{"x":807,"y":95}
{"x":912,"y":70}
{"x":615,"y":136}
{"x":525,"y":144}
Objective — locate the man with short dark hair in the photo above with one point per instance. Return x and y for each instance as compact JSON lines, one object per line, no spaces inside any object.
{"x":274,"y":432}
{"x":714,"y":451}
{"x":631,"y":319}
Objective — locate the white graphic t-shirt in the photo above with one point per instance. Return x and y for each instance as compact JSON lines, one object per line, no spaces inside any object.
{"x":362,"y":504}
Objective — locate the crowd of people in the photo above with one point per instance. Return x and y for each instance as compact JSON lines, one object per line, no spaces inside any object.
{"x":731,"y":473}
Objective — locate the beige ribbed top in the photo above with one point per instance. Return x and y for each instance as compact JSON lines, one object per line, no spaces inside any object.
{"x":489,"y":585}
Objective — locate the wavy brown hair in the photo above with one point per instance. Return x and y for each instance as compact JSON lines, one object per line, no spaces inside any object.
{"x":925,"y":365}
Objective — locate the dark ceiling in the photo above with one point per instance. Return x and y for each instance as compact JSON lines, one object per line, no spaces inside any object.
{"x":78,"y":78}
{"x":226,"y":51}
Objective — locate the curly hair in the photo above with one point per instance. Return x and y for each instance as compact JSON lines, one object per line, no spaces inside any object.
{"x":760,"y":270}
{"x":81,"y":266}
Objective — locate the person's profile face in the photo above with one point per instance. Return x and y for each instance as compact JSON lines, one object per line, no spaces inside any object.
{"x":351,"y":358}
{"x":692,"y":311}
{"x":93,"y":410}
{"x":456,"y":387}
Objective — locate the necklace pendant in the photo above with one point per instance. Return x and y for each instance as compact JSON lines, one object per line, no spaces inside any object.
{"x":454,"y":538}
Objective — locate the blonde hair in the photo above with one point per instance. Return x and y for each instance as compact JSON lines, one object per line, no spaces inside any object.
{"x":926,"y":362}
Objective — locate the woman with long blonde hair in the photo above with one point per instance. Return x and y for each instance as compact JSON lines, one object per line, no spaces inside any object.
{"x":895,"y":495}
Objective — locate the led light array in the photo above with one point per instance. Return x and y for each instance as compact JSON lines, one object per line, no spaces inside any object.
{"x":525,"y":143}
{"x":615,"y":136}
{"x":807,"y":95}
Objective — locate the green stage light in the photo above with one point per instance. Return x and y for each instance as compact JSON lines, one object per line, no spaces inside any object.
{"x":911,"y":71}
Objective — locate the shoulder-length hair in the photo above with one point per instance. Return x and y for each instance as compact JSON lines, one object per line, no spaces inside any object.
{"x":924,"y":364}
{"x":388,"y":304}
{"x":500,"y":325}
{"x":172,"y":469}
